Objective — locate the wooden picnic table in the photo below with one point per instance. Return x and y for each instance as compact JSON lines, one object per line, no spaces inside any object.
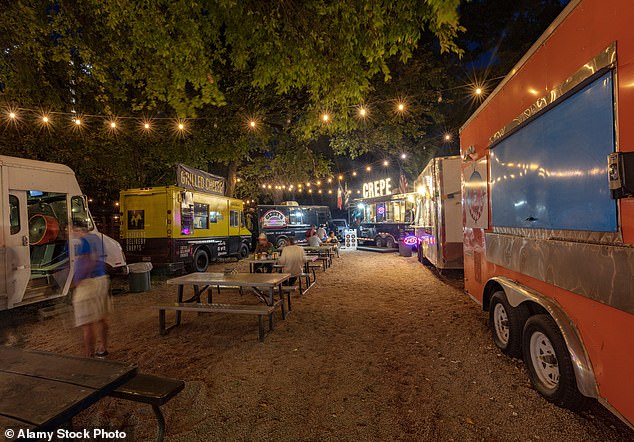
{"x":42,"y":391}
{"x":263,"y":285}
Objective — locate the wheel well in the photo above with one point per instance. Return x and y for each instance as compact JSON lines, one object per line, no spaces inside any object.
{"x":493,"y":286}
{"x":205,"y":249}
{"x":489,"y":289}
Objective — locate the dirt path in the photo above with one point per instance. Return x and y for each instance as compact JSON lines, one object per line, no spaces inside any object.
{"x":379,"y":349}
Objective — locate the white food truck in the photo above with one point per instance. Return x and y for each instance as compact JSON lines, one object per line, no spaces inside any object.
{"x":39,"y":202}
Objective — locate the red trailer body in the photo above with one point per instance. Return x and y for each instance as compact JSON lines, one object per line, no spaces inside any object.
{"x":541,"y":226}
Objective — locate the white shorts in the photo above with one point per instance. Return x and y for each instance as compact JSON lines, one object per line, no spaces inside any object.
{"x":91,"y":300}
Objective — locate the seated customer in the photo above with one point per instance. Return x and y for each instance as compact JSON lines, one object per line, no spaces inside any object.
{"x":293,"y":259}
{"x":263,"y":246}
{"x":314,"y":241}
{"x":332,"y":239}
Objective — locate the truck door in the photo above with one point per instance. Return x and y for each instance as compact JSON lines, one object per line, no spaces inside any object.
{"x":18,"y":260}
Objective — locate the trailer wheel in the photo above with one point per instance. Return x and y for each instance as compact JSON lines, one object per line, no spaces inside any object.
{"x":390,"y":243}
{"x":506,"y":324}
{"x":201,"y":261}
{"x":244,"y":251}
{"x":549,"y":364}
{"x":378,"y":241}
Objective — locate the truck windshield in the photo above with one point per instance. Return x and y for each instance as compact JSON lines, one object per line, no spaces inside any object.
{"x":80,"y":212}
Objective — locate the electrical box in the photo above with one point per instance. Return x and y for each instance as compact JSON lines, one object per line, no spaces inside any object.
{"x":621,"y":174}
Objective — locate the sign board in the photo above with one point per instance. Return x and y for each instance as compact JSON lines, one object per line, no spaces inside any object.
{"x":377,"y":188}
{"x":476,"y":198}
{"x":349,"y":239}
{"x":194,"y":179}
{"x":273,"y":219}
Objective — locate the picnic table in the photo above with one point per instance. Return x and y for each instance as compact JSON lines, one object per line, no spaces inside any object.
{"x":263,"y":285}
{"x":324,"y":251}
{"x":42,"y":391}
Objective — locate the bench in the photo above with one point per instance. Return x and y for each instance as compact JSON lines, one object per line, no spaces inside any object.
{"x":259,"y":310}
{"x":152,"y":390}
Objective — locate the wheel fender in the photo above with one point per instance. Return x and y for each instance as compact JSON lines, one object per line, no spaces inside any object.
{"x":517,"y":293}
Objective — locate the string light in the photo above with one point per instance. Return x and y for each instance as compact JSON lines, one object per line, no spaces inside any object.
{"x":369,"y":168}
{"x":263,"y":186}
{"x":12,"y":115}
{"x":325,"y":118}
{"x":386,"y":163}
{"x":238,"y":180}
{"x":318,"y":183}
{"x":478,"y":91}
{"x":340,"y":177}
{"x":77,"y":122}
{"x":330,"y":180}
{"x":329,"y":192}
{"x":252,"y":124}
{"x":45,"y":119}
{"x":181,"y":126}
{"x":363,"y":112}
{"x":319,"y":191}
{"x":310,"y":190}
{"x":447,"y":137}
{"x":403,"y":156}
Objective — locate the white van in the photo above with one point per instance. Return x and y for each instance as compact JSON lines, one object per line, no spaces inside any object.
{"x":39,"y":202}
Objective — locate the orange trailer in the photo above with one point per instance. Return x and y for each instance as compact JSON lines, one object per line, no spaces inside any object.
{"x":548,"y":208}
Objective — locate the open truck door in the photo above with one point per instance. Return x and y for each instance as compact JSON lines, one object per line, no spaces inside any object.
{"x":17,"y":256}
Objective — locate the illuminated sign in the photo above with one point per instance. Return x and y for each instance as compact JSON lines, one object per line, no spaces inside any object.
{"x":410,"y":240}
{"x":194,"y":179}
{"x":273,"y":218}
{"x":377,"y":188}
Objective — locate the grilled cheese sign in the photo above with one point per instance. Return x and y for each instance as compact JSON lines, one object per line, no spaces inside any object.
{"x":377,"y":188}
{"x":194,"y":179}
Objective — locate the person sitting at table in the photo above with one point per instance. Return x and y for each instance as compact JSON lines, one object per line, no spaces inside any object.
{"x":314,"y":240}
{"x":310,"y":232}
{"x":293,"y":259}
{"x":321,"y":233}
{"x":263,"y":246}
{"x":332,"y":239}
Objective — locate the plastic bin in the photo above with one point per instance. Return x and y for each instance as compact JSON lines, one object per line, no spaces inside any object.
{"x":139,"y":277}
{"x":404,"y":250}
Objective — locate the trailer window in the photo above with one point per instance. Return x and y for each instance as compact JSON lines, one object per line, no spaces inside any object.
{"x":551,"y":173}
{"x":14,"y":216}
{"x":213,"y":217}
{"x":201,"y":216}
{"x":234,"y":218}
{"x":296,"y":217}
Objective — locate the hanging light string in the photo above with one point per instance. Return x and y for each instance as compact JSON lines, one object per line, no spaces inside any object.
{"x":314,"y":185}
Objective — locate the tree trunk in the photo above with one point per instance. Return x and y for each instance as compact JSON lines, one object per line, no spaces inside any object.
{"x":232,"y":173}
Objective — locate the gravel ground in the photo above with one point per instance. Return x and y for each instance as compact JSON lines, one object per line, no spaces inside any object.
{"x":380,"y":348}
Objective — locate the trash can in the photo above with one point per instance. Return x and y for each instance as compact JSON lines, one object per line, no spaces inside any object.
{"x":139,"y":277}
{"x":404,"y":249}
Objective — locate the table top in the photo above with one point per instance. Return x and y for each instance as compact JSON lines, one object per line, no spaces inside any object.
{"x":260,"y":261}
{"x":231,"y":279}
{"x":322,"y":247}
{"x":43,"y":390}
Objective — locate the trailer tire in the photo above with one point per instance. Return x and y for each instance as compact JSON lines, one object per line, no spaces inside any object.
{"x":244,"y":251}
{"x":549,"y":364}
{"x":378,"y":241}
{"x":507,"y":324}
{"x":390,"y":242}
{"x":200,"y":261}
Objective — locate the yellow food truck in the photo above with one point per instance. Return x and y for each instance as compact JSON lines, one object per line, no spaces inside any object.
{"x":183,"y":226}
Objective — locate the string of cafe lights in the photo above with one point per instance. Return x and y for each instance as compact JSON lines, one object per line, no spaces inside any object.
{"x":45,"y":119}
{"x":314,"y":186}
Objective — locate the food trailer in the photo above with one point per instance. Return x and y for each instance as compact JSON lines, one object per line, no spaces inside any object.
{"x":184,"y":226}
{"x":290,"y":220}
{"x":381,"y":216}
{"x":40,"y":201}
{"x":438,"y":221}
{"x":549,"y":213}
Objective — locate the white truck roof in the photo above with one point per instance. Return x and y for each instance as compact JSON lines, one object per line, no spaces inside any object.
{"x":34,"y":164}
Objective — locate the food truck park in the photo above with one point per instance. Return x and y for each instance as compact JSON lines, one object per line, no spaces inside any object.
{"x":166,"y":265}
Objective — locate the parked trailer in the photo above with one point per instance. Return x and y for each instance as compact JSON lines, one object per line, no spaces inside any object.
{"x":39,"y":202}
{"x":438,"y":223}
{"x":549,"y":227}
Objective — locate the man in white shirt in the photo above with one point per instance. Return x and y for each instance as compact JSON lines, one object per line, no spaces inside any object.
{"x":321,"y":233}
{"x":314,"y":241}
{"x":293,"y":259}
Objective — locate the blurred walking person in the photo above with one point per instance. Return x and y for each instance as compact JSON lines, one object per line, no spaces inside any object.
{"x":91,"y":297}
